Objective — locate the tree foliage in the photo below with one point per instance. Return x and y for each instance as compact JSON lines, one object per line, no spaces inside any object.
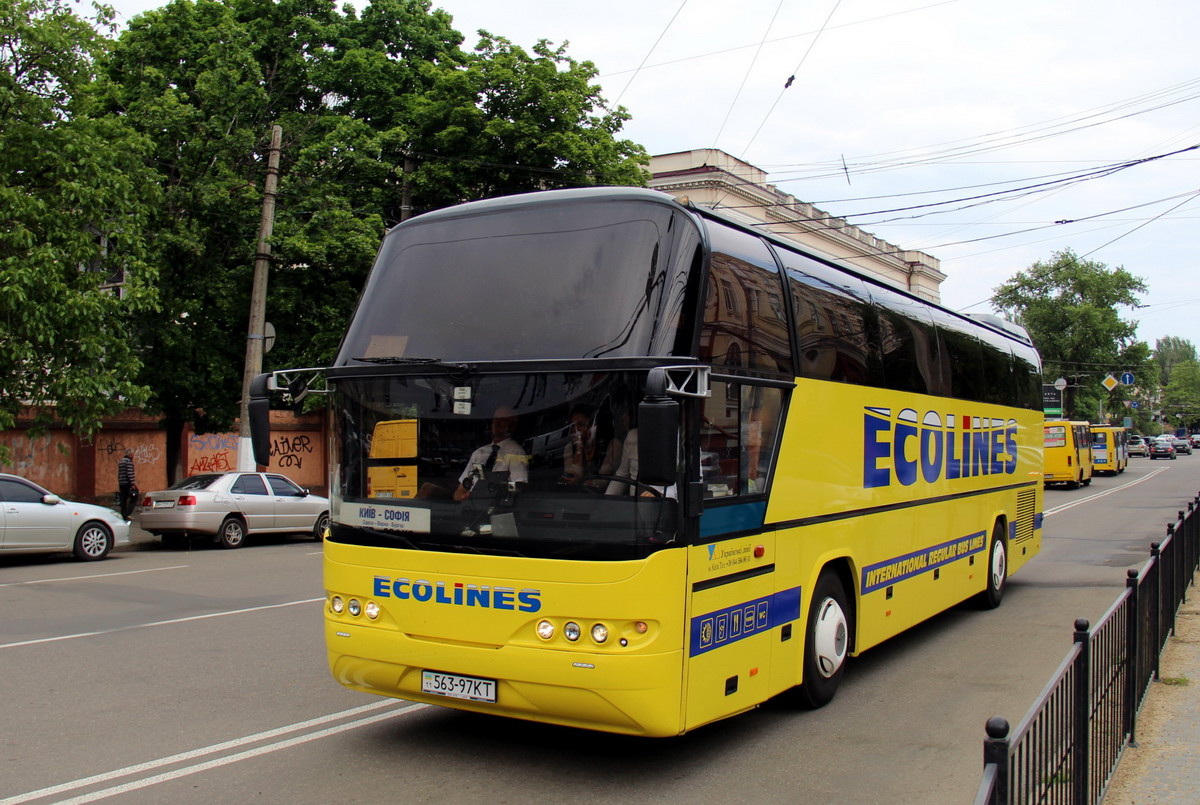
{"x":1071,"y":309}
{"x":1169,"y":351}
{"x":75,"y":202}
{"x":383,"y":114}
{"x":1181,"y":397}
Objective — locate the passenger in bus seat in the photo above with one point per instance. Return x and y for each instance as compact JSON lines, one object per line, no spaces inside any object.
{"x":579,"y":456}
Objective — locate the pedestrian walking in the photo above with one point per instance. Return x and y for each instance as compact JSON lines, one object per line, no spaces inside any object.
{"x":127,"y":489}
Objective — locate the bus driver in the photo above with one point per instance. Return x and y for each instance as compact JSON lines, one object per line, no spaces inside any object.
{"x":502,"y":454}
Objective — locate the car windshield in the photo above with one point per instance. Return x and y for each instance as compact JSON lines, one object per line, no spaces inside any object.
{"x":197,"y":481}
{"x":540,"y":465}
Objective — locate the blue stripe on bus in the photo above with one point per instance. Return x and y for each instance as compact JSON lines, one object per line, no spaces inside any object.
{"x":722,"y":627}
{"x":732,"y":519}
{"x":890,"y":571}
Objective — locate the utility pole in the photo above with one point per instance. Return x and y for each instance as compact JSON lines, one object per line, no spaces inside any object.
{"x":258,"y":300}
{"x":406,"y":191}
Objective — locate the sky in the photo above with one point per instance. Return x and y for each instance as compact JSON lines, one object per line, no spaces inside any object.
{"x":1021,"y":128}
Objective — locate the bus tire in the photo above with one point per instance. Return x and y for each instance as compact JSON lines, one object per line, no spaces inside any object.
{"x":232,"y":533}
{"x":826,"y":642}
{"x":997,"y":570}
{"x":1075,"y":483}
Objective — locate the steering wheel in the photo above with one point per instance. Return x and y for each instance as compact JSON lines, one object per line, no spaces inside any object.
{"x":619,"y":479}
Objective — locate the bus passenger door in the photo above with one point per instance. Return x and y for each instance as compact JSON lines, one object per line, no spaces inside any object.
{"x":734,"y":600}
{"x":733,"y":607}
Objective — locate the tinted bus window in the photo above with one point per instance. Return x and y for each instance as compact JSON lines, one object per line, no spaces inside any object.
{"x":1027,"y":376}
{"x":745,"y":319}
{"x":961,"y":357}
{"x":837,"y":327}
{"x":999,"y":382}
{"x":908,"y":342}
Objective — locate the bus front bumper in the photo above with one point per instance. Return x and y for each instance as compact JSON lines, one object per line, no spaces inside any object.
{"x":630,"y":694}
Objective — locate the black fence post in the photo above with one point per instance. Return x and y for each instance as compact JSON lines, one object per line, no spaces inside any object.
{"x":1156,"y":595}
{"x":1133,"y":674}
{"x":996,"y":752}
{"x":1081,"y":724}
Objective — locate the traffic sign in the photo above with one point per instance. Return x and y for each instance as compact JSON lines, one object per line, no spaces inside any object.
{"x":1126,"y":378}
{"x":1109,"y":382}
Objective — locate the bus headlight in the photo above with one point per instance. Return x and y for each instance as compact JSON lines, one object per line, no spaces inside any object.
{"x":337,"y":604}
{"x":372,"y":610}
{"x":599,"y":632}
{"x":545,"y":630}
{"x":354,"y":607}
{"x":571,"y":631}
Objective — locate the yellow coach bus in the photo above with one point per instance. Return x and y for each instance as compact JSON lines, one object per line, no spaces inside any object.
{"x":1067,"y":453}
{"x":667,"y":466}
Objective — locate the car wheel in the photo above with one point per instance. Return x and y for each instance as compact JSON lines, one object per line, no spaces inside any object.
{"x":321,"y":527}
{"x":232,"y":533}
{"x":93,"y":541}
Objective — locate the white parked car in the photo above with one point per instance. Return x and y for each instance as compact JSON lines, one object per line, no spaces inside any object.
{"x":35,"y":520}
{"x":229,"y":505}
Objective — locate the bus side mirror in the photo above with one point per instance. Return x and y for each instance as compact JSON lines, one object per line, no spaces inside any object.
{"x":658,"y":433}
{"x":260,"y":419}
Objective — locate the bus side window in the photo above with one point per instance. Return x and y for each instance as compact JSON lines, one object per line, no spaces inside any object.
{"x":738,"y":438}
{"x":745,"y":318}
{"x":837,"y":327}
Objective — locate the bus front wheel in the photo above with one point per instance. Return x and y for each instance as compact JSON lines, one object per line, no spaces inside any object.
{"x":997,"y":570}
{"x":826,"y":642}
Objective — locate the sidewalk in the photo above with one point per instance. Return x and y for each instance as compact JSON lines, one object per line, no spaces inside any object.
{"x":1164,"y":767}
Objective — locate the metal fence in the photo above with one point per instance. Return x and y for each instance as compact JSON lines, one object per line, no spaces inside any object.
{"x":1066,"y":748}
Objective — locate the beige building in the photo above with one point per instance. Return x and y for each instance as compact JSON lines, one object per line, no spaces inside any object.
{"x":709,"y":177}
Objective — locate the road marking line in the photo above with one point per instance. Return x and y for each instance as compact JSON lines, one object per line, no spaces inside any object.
{"x":157,"y":623}
{"x":96,"y":576}
{"x":1075,"y":503}
{"x":213,"y":749}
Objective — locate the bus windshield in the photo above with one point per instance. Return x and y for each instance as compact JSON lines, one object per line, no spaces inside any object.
{"x":538,"y":465}
{"x":574,"y":281}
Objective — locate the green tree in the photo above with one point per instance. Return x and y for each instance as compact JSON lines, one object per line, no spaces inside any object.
{"x":1181,"y":397}
{"x":1070,"y":308}
{"x":75,"y":198}
{"x":382,"y":114}
{"x":1169,"y":351}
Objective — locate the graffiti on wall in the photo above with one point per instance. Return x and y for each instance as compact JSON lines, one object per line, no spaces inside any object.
{"x":290,"y":451}
{"x":142,"y":453}
{"x":212,"y":452}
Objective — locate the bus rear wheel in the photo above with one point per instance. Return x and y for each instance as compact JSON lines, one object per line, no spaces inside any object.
{"x":826,"y":642}
{"x":997,"y":570}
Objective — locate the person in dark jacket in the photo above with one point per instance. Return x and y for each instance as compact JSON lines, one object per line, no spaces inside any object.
{"x":127,"y":484}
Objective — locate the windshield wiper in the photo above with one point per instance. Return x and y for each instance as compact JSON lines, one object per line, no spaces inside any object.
{"x":398,"y":360}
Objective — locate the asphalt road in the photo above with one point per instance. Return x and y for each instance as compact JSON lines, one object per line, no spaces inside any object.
{"x":199,"y":676}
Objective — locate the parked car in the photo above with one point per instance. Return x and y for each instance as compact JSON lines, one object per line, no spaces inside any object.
{"x":1181,"y":444}
{"x":1138,"y":446}
{"x":1195,"y":439}
{"x":35,"y":520}
{"x":1162,"y":448}
{"x":228,"y":506}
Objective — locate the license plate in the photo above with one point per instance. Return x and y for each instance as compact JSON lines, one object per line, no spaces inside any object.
{"x":458,"y":687}
{"x":164,"y":504}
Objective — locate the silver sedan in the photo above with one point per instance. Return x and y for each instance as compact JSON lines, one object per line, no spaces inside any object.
{"x":35,"y":520}
{"x":227,"y":506}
